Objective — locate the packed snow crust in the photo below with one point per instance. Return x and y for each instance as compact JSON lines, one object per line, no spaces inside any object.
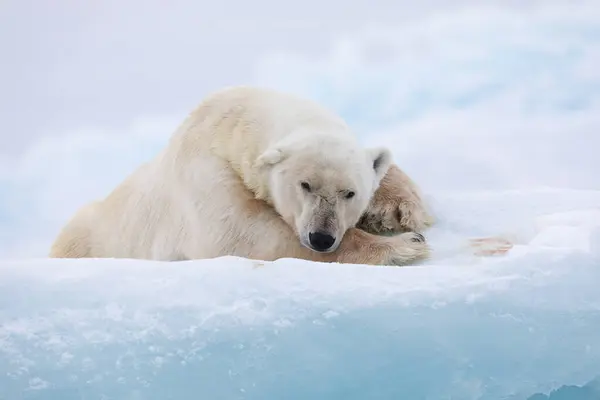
{"x":457,"y":326}
{"x":230,"y":328}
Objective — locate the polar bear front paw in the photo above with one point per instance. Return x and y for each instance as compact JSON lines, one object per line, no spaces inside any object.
{"x":407,"y":248}
{"x":360,"y":247}
{"x":395,"y":216}
{"x":396,"y":207}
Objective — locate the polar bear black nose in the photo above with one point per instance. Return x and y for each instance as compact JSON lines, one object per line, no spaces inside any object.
{"x":321,"y":241}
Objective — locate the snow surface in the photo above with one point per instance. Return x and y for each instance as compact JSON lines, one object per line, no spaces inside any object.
{"x":495,"y":114}
{"x":236,"y":329}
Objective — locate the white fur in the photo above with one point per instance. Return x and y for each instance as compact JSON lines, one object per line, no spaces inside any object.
{"x":230,"y":183}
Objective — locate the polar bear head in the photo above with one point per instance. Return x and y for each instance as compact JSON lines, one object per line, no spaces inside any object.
{"x":322,"y":188}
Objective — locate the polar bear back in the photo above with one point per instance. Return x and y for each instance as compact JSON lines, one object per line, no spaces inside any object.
{"x":241,"y":123}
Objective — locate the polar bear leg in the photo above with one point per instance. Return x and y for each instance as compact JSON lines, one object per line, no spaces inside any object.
{"x":74,"y":239}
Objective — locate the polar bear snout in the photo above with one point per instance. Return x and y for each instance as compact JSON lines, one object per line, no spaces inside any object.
{"x":321,"y":241}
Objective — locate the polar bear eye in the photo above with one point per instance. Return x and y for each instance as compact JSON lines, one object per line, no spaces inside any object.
{"x":305,"y":186}
{"x":350,"y":195}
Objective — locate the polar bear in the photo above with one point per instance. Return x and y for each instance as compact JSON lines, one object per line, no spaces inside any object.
{"x":254,"y":173}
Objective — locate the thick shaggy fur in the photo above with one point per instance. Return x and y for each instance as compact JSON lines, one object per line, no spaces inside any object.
{"x":255,"y":173}
{"x":397,"y":206}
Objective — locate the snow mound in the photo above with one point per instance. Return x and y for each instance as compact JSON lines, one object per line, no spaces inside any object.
{"x":457,"y":326}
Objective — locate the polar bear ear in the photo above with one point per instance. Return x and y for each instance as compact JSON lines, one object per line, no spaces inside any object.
{"x":270,"y":157}
{"x":382,"y":159}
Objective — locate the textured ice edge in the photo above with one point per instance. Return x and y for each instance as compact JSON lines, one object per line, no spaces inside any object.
{"x":230,"y":328}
